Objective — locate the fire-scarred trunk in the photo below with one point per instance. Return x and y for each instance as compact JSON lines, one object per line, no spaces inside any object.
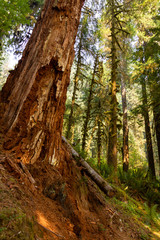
{"x":33,"y":98}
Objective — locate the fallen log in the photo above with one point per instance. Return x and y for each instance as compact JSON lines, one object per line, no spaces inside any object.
{"x":101,"y":183}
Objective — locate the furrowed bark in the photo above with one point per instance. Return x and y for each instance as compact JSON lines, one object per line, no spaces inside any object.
{"x":101,"y":183}
{"x":33,"y":99}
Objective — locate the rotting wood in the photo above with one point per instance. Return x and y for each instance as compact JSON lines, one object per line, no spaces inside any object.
{"x":23,"y":175}
{"x":27,"y":173}
{"x":33,"y":98}
{"x":101,"y":183}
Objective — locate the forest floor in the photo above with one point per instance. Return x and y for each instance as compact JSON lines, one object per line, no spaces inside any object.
{"x":58,"y":207}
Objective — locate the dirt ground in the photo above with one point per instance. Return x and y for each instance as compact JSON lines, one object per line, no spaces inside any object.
{"x":59,"y":206}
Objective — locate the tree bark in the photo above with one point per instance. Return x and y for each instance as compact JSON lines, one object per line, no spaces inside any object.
{"x":101,"y":183}
{"x":99,"y":144}
{"x":125,"y":118}
{"x":112,"y":144}
{"x":33,"y":99}
{"x":99,"y":138}
{"x":150,"y":155}
{"x":156,"y":114}
{"x":156,"y":111}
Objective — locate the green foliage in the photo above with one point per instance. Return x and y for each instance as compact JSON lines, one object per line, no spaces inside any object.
{"x":105,"y":170}
{"x":136,"y":182}
{"x":13,"y":13}
{"x":144,"y":215}
{"x":153,"y":216}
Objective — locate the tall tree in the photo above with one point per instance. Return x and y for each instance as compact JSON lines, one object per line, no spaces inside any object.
{"x":143,"y":20}
{"x":99,"y":117}
{"x":76,"y":78}
{"x":155,"y":92}
{"x":147,"y":128}
{"x":88,"y":109}
{"x":123,"y":76}
{"x":125,"y":154}
{"x":153,"y":69}
{"x":81,"y":46}
{"x":33,"y":99}
{"x":112,"y":144}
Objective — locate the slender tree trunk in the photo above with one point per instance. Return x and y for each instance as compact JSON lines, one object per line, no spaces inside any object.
{"x":99,"y":140}
{"x":91,"y":137}
{"x":125,"y":121}
{"x":154,"y":89}
{"x":33,"y":99}
{"x":87,"y":117}
{"x":156,"y":114}
{"x":73,"y":132}
{"x":99,"y":143}
{"x":148,"y":130}
{"x":112,"y":144}
{"x":76,"y":78}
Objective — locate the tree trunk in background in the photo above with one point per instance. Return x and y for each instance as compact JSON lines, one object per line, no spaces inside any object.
{"x":99,"y":136}
{"x":87,"y":117}
{"x":76,"y":78}
{"x":156,"y":111}
{"x":91,"y":137}
{"x":156,"y":114}
{"x":33,"y":99}
{"x":125,"y":118}
{"x":147,"y":130}
{"x":112,"y":143}
{"x":99,"y":143}
{"x":125,"y":128}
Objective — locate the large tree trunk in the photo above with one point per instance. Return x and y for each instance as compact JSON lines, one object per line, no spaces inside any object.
{"x":33,"y":99}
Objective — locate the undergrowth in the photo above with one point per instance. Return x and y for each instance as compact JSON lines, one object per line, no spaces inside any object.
{"x":137,"y":195}
{"x":137,"y":184}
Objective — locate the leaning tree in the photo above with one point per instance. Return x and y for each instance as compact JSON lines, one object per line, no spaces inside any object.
{"x":32,"y":101}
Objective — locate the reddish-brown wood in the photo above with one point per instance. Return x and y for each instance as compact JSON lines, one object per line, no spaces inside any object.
{"x":33,"y":99}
